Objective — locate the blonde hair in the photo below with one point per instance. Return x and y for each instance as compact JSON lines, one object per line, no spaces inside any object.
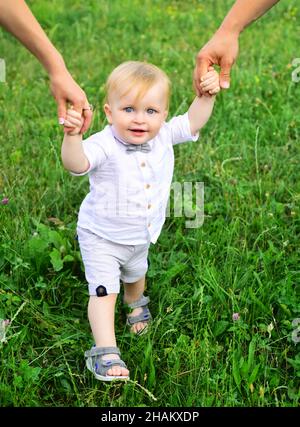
{"x":136,"y":74}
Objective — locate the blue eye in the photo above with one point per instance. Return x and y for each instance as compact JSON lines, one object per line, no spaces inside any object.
{"x":151,"y":111}
{"x":128,"y":109}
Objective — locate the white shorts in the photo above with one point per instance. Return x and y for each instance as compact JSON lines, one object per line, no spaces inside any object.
{"x":106,"y":262}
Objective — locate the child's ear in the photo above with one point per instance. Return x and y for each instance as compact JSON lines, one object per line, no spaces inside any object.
{"x":107,"y":112}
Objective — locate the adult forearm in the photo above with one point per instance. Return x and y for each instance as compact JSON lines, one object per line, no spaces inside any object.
{"x":16,"y":17}
{"x":243,"y":12}
{"x":72,"y":154}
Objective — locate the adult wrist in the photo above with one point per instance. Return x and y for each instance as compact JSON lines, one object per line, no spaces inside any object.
{"x":56,"y":66}
{"x":232,"y":28}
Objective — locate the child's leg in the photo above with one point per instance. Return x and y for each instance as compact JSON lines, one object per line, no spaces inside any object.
{"x":132,"y":292}
{"x":101,"y":314}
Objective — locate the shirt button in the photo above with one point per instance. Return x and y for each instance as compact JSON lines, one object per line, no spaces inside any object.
{"x":149,"y":206}
{"x":149,"y":225}
{"x":147,"y":185}
{"x":143,"y":164}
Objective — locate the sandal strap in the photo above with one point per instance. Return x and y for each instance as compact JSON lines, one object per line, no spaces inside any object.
{"x":141,"y":302}
{"x":107,"y":364}
{"x":145,"y":315}
{"x":100,"y":351}
{"x":101,"y":367}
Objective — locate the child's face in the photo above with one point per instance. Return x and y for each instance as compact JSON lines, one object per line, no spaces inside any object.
{"x":137,"y":121}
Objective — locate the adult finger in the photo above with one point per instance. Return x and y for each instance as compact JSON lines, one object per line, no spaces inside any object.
{"x":62,"y":114}
{"x":203,"y":62}
{"x":225,"y":73}
{"x":82,"y":105}
{"x":87,"y":116}
{"x":61,"y":111}
{"x":78,"y":104}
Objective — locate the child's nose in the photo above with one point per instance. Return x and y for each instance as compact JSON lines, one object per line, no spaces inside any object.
{"x":139,"y":117}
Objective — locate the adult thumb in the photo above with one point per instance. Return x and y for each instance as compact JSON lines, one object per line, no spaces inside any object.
{"x":61,"y":111}
{"x":225,"y":74}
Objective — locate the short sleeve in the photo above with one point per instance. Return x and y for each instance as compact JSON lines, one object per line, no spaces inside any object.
{"x":180,"y":129}
{"x":95,"y":152}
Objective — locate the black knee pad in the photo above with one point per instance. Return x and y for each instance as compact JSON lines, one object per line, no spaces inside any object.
{"x":101,"y":291}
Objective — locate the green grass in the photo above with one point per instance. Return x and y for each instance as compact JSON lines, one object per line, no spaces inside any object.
{"x":245,"y":257}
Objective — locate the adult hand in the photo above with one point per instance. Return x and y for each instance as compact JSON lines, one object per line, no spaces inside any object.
{"x":222,"y":49}
{"x":65,"y":90}
{"x":18,"y":19}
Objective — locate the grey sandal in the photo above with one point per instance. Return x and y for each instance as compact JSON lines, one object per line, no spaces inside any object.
{"x":99,"y":367}
{"x":144,"y":316}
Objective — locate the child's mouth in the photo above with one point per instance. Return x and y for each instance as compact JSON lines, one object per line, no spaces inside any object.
{"x":138,"y":132}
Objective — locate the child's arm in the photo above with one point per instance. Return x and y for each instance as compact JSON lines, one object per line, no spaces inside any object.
{"x":201,"y":108}
{"x":72,"y":153}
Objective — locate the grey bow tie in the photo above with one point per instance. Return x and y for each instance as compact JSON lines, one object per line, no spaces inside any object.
{"x":145,"y":148}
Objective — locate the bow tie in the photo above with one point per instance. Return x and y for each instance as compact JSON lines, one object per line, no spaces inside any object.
{"x":131,"y":148}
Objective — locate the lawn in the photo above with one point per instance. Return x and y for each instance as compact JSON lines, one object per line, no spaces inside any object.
{"x":243,"y":259}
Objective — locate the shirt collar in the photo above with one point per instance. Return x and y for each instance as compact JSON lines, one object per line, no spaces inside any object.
{"x":116,"y":136}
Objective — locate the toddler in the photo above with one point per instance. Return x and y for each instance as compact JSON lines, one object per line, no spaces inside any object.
{"x":130,"y":166}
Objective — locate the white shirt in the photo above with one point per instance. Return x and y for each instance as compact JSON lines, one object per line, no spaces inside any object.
{"x":129,"y":191}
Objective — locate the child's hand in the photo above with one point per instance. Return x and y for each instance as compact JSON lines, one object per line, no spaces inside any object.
{"x":210,"y":82}
{"x":73,"y":122}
